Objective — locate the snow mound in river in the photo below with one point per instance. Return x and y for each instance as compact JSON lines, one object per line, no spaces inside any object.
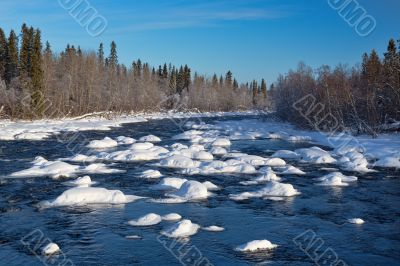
{"x":150,"y":138}
{"x":102,"y":144}
{"x":256,"y":245}
{"x":42,"y":167}
{"x":178,"y":161}
{"x":50,"y":249}
{"x":171,"y":217}
{"x":151,"y":174}
{"x":184,"y":228}
{"x":84,"y":181}
{"x":170,"y":183}
{"x":336,"y":179}
{"x":192,"y":190}
{"x":89,"y":195}
{"x":146,"y":220}
{"x":272,"y":189}
{"x":315,"y":155}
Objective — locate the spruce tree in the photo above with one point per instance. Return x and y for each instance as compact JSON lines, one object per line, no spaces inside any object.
{"x":172,"y":80}
{"x":3,"y":53}
{"x":235,"y":84}
{"x":186,"y":77}
{"x":264,"y":89}
{"x":214,"y":81}
{"x":165,"y":71}
{"x":11,"y":69}
{"x":228,"y":79}
{"x":47,"y":49}
{"x":113,"y":58}
{"x":100,"y":55}
{"x":255,"y":92}
{"x":25,"y":54}
{"x":37,"y":75}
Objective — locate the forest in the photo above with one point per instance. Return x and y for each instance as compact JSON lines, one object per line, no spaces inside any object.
{"x":36,"y":82}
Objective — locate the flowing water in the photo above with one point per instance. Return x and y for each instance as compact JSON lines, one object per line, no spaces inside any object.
{"x":96,"y":235}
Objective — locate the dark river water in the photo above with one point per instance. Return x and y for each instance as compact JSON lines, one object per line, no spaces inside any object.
{"x":96,"y":235}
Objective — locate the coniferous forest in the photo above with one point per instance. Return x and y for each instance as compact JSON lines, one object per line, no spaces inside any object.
{"x":37,"y":82}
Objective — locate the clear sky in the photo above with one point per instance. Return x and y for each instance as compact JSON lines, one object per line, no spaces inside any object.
{"x":253,"y":38}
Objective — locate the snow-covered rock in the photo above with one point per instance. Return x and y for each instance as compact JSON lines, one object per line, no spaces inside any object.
{"x":210,"y":186}
{"x":102,"y":144}
{"x":42,"y":167}
{"x":221,"y":142}
{"x":89,"y":195}
{"x":84,"y":181}
{"x":285,"y":154}
{"x":184,"y":228}
{"x":150,"y":138}
{"x":171,"y":217}
{"x":170,"y":183}
{"x":122,"y":140}
{"x":256,"y":245}
{"x":388,"y":161}
{"x":50,"y":249}
{"x":272,"y":189}
{"x":192,"y":190}
{"x":213,"y":228}
{"x":151,"y":174}
{"x":336,"y":179}
{"x":146,"y":220}
{"x":178,"y":161}
{"x":218,"y":151}
{"x":356,"y":221}
{"x":291,"y":170}
{"x":315,"y":155}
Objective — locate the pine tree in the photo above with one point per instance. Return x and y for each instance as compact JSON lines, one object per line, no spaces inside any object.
{"x":113,"y":58}
{"x":37,"y":75}
{"x":214,"y":81}
{"x":25,"y":54}
{"x":172,"y":80}
{"x":3,"y":53}
{"x":47,"y":49}
{"x":255,"y":92}
{"x":264,"y":89}
{"x":235,"y":84}
{"x":100,"y":55}
{"x":186,"y":77}
{"x":165,"y":71}
{"x":11,"y":70}
{"x":228,"y":79}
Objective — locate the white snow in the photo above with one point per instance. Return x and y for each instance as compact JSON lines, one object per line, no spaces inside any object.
{"x":102,"y":144}
{"x":42,"y":167}
{"x":291,"y":170}
{"x":221,"y":142}
{"x":213,"y":228}
{"x":170,"y":183}
{"x":272,"y":189}
{"x":315,"y":155}
{"x":267,"y":174}
{"x":122,"y":140}
{"x":182,"y":229}
{"x":389,"y":162}
{"x":178,"y":161}
{"x":285,"y":154}
{"x":171,"y":217}
{"x":141,"y":146}
{"x":356,"y":221}
{"x":50,"y":249}
{"x":146,"y":220}
{"x":84,"y":181}
{"x":151,"y":174}
{"x":256,"y":245}
{"x":210,"y":186}
{"x":89,"y":195}
{"x":336,"y":179}
{"x":150,"y":138}
{"x":191,"y":190}
{"x":218,"y":151}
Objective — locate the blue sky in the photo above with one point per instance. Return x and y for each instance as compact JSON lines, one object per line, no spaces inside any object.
{"x":253,"y":38}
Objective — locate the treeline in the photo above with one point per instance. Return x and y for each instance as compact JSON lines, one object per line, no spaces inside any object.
{"x":362,"y":98}
{"x":36,"y":82}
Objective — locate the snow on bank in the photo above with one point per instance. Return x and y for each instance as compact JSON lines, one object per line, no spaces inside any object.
{"x":89,"y":195}
{"x":41,"y":129}
{"x":256,"y":245}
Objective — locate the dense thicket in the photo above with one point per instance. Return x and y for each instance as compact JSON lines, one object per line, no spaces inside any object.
{"x":36,"y":82}
{"x":361,"y":98}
